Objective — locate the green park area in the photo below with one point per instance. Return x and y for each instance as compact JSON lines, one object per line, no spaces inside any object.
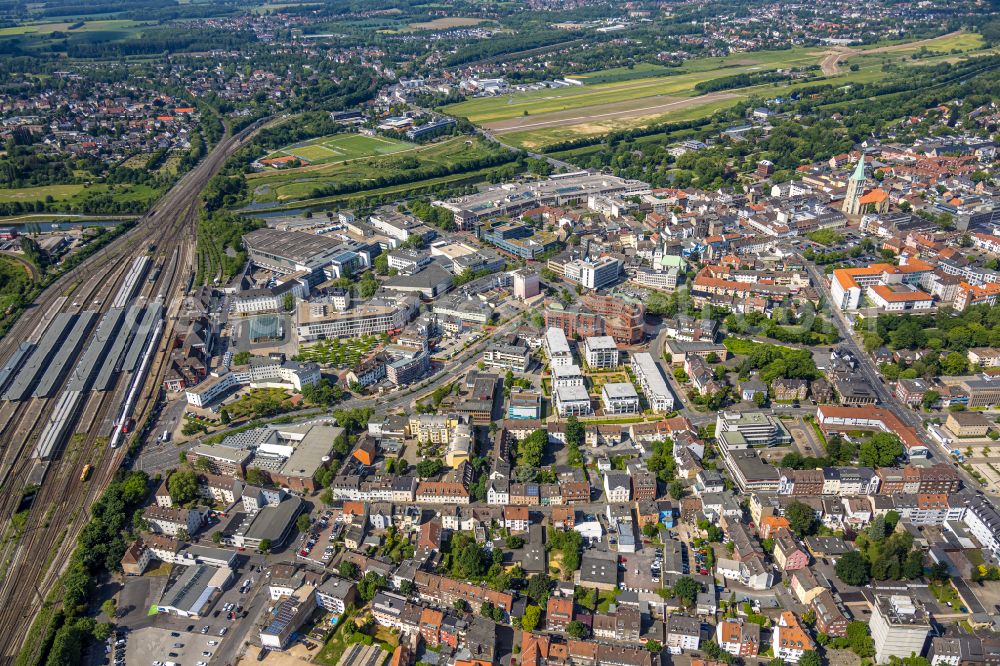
{"x":338,"y":353}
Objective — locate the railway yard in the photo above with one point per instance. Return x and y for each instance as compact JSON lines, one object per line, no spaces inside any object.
{"x":80,"y":369}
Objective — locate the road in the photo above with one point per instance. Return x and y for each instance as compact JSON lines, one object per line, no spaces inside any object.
{"x":556,"y":164}
{"x":866,"y":365}
{"x":871,"y":374}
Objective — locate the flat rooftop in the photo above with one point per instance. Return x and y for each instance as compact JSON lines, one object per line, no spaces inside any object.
{"x":298,"y":246}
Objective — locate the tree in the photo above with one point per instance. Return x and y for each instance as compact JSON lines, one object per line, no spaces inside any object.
{"x":191,"y":428}
{"x":514,"y":542}
{"x":460,"y":605}
{"x":810,"y":658}
{"x":255,"y":477}
{"x":930,"y":399}
{"x":881,"y":450}
{"x":109,"y":608}
{"x":575,"y":436}
{"x":348,"y":570}
{"x":303,"y":522}
{"x":859,"y":639}
{"x":686,"y":590}
{"x":429,"y":467}
{"x":532,"y":616}
{"x":853,"y":569}
{"x":102,"y":631}
{"x":801,"y":519}
{"x":654,"y":646}
{"x":913,"y":566}
{"x":183,"y":487}
{"x":217,"y":537}
{"x":939,"y":572}
{"x":576,"y":629}
{"x":224,"y":417}
{"x":370,"y":585}
{"x":532,"y":448}
{"x":265,"y":546}
{"x":676,"y":489}
{"x":538,"y":588}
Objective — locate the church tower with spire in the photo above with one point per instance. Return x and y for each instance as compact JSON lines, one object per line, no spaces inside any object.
{"x":855,"y":189}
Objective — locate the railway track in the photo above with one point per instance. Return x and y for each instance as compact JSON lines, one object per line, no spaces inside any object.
{"x":31,"y":563}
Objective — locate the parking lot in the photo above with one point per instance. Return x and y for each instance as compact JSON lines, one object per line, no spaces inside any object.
{"x":316,"y":546}
{"x":151,"y":638}
{"x":155,"y":645}
{"x":638,"y":574}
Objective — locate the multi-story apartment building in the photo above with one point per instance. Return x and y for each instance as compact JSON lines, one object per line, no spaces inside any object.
{"x":619,"y":398}
{"x":507,"y":357}
{"x":434,"y":428}
{"x":789,"y":640}
{"x":899,"y":627}
{"x":601,"y":351}
{"x":738,"y":637}
{"x":651,"y":380}
{"x":683,"y":633}
{"x":557,"y":347}
{"x":830,"y":617}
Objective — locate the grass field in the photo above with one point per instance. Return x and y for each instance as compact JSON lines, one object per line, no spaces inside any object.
{"x":625,"y":98}
{"x":392,"y":192}
{"x":639,"y":71}
{"x":295,"y":184}
{"x":64,"y":26}
{"x":445,"y":22}
{"x":23,"y":194}
{"x":73,"y":195}
{"x":678,"y":81}
{"x":540,"y":137}
{"x":341,"y":147}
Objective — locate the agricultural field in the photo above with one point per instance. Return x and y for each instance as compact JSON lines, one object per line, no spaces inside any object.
{"x":288,"y":185}
{"x":625,"y":98}
{"x":342,"y":147}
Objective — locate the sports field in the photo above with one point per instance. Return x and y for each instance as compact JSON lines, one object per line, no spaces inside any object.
{"x":341,"y":147}
{"x":300,"y":183}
